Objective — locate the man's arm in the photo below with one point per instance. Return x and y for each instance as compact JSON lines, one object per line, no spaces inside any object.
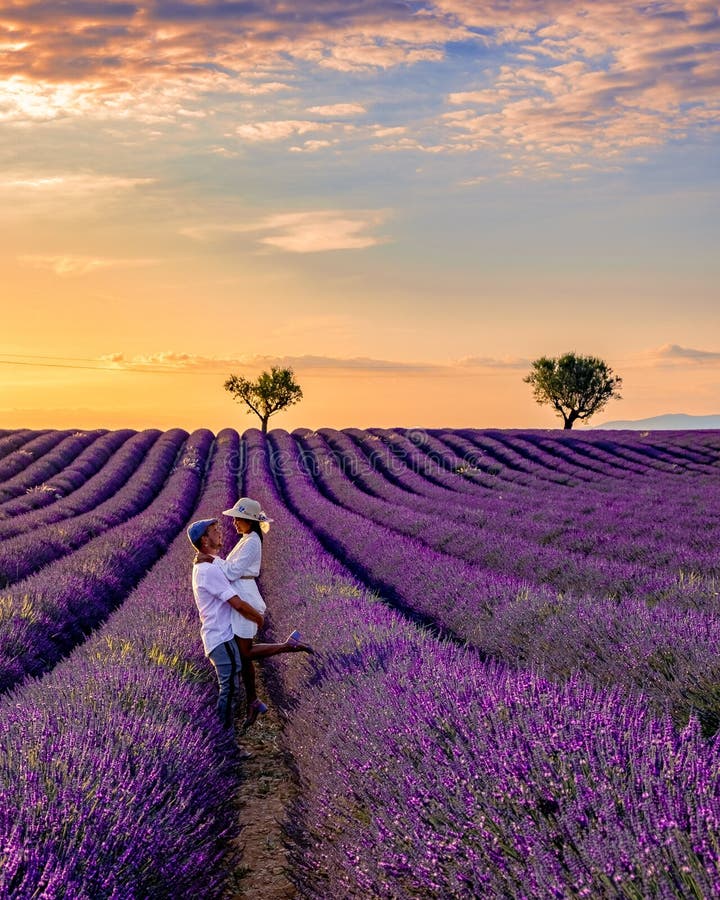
{"x":221,"y":588}
{"x":247,"y":611}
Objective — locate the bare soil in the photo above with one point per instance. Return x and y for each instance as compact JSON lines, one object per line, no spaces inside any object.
{"x":268,"y":787}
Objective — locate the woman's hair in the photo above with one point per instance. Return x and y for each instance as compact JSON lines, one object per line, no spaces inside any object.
{"x":255,"y":526}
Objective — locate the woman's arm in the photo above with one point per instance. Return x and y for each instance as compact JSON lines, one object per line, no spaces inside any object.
{"x":244,"y":559}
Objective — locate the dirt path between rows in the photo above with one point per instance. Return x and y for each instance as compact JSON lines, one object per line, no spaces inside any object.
{"x":267,"y":789}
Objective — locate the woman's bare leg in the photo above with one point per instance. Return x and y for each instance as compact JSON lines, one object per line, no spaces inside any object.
{"x":248,"y":650}
{"x":247,"y":673}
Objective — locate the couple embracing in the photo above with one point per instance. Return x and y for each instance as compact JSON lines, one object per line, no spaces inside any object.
{"x":231,"y":607}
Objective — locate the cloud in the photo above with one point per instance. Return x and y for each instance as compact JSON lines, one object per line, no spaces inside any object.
{"x":338,"y":110}
{"x":267,"y":87}
{"x":381,"y":131}
{"x":312,"y":146}
{"x":51,"y":195}
{"x":314,"y":232}
{"x":69,"y":265}
{"x":674,"y":353}
{"x":588,"y":82}
{"x":191,"y":362}
{"x":355,"y":364}
{"x":179,"y":362}
{"x":305,"y":232}
{"x":278,"y":130}
{"x":163,"y":360}
{"x":595,"y":80}
{"x":489,"y":362}
{"x":102,"y":46}
{"x":488,"y":96}
{"x":70,"y":184}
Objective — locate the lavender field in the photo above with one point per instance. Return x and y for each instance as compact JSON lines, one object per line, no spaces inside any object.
{"x":516,"y":690}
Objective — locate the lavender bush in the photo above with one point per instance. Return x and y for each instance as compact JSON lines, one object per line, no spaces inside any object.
{"x":72,"y":475}
{"x":59,"y":458}
{"x":47,"y":614}
{"x":31,"y":550}
{"x":427,"y":772}
{"x":115,"y":778}
{"x":624,"y":642}
{"x":40,"y":443}
{"x":13,"y":440}
{"x":620,"y":522}
{"x":98,"y":488}
{"x":529,"y":756}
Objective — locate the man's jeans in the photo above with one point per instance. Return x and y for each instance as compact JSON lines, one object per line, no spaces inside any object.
{"x":226,"y":659}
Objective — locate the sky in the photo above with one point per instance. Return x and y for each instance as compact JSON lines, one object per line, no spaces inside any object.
{"x":406,"y":202}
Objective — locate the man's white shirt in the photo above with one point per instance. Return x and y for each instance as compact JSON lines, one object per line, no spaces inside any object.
{"x":212,"y":590}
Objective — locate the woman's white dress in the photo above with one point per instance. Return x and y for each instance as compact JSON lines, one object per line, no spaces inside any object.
{"x":245,"y":559}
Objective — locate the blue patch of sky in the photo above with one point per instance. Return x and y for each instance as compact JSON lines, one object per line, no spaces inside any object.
{"x":606,"y":221}
{"x":408,"y":92}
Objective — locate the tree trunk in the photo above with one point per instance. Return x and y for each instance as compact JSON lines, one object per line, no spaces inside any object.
{"x":570,"y":418}
{"x":264,"y":421}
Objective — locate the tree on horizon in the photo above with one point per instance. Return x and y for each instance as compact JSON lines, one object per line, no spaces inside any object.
{"x":575,"y":386}
{"x":271,"y":392}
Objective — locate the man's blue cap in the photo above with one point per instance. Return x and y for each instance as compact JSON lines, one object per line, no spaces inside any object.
{"x":198,"y":529}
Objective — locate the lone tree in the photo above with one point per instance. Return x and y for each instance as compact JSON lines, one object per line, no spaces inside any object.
{"x":273,"y":391}
{"x":576,"y":386}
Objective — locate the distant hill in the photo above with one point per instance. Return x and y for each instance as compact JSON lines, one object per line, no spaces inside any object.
{"x":668,"y":422}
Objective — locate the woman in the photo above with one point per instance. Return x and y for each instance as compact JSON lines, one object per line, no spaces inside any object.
{"x":241,"y":568}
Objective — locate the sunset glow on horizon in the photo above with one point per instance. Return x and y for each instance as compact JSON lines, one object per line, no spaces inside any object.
{"x":407,"y":202}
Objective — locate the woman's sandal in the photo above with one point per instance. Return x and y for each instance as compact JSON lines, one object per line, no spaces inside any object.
{"x":296,"y":644}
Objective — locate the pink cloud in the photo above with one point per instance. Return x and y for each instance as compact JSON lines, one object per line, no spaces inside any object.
{"x":597,"y":79}
{"x":278,"y":130}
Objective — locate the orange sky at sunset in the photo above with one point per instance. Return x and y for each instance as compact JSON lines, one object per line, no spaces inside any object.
{"x":407,"y":202}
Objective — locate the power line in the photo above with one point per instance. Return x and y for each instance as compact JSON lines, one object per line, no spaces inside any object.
{"x":14,"y":362}
{"x":157,"y":370}
{"x":38,"y":356}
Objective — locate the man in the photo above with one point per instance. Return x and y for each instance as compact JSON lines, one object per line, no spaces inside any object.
{"x":214,"y":598}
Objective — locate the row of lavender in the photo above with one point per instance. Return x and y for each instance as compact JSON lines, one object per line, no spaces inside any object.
{"x":60,"y":472}
{"x":439,"y":462}
{"x":415,"y":469}
{"x":661,"y":649}
{"x":25,"y":449}
{"x":11,"y":440}
{"x":127,"y":485}
{"x":115,"y":778}
{"x":81,"y":485}
{"x":647,"y":487}
{"x":410,"y":827}
{"x":427,"y":772}
{"x":33,"y":478}
{"x":583,"y":453}
{"x":45,"y":614}
{"x":463,"y":460}
{"x":604,"y":518}
{"x":509,"y":531}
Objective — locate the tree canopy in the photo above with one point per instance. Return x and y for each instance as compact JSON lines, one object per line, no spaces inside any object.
{"x":271,"y":392}
{"x":575,"y":386}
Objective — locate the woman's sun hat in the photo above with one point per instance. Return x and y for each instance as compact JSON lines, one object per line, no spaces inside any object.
{"x":245,"y":508}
